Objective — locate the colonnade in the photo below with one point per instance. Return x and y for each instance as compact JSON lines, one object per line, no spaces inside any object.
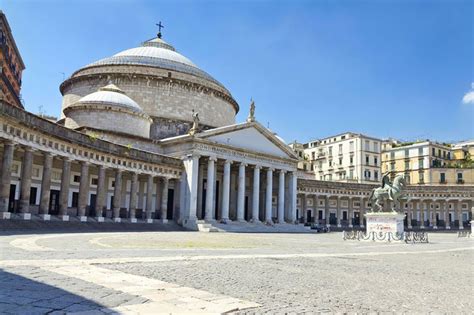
{"x":83,"y":209}
{"x":423,"y":213}
{"x":226,"y":181}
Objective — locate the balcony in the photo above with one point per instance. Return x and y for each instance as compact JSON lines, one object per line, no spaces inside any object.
{"x":460,"y":181}
{"x":443,"y":181}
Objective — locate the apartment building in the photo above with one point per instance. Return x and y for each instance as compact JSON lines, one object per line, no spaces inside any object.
{"x":346,"y":157}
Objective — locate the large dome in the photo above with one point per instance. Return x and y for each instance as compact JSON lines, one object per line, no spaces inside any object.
{"x":165,"y":84}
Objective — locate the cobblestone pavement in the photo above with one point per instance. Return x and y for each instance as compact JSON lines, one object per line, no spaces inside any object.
{"x":176,"y":272}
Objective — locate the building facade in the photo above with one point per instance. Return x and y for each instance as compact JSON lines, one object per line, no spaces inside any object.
{"x":429,"y":163}
{"x":146,"y":135}
{"x":11,"y":65}
{"x":347,"y":157}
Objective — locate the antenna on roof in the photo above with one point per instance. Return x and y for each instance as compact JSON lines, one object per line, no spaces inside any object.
{"x":160,"y":26}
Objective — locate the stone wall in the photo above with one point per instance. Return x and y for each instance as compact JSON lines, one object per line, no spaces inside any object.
{"x":162,"y":97}
{"x":110,"y":120}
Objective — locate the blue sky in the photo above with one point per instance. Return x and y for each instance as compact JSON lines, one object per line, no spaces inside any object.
{"x":314,"y":68}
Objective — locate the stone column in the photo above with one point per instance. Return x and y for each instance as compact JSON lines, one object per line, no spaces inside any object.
{"x":447,"y":221}
{"x":182,"y":198}
{"x":64,"y":193}
{"x":149,"y":199}
{"x":25,"y":185}
{"x":459,"y":214}
{"x":268,"y":197}
{"x":200,"y":210}
{"x":361,"y":213}
{"x":304,"y":204}
{"x":101,"y":195}
{"x":164,"y":200}
{"x":133,"y":198}
{"x":315,"y":209}
{"x":422,"y":218}
{"x":5,"y":179}
{"x":293,"y":189}
{"x":241,"y":193}
{"x":226,"y":192}
{"x":326,"y":210}
{"x":433,"y":222}
{"x":256,"y":194}
{"x":46,"y":186}
{"x":350,"y":212}
{"x":191,"y":164}
{"x":211,"y":183}
{"x":281,"y":197}
{"x":83,"y":192}
{"x":338,"y":211}
{"x":158,"y":196}
{"x":117,"y":195}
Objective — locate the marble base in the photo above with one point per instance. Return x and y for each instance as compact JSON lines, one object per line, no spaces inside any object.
{"x":45,"y":217}
{"x":117,"y":220}
{"x":225,"y":221}
{"x":163,"y":221}
{"x":190,"y":224}
{"x":339,"y":225}
{"x":385,"y":222}
{"x":83,"y":218}
{"x":449,"y":228}
{"x":149,"y":220}
{"x":100,"y":219}
{"x":5,"y":215}
{"x":351,"y":226}
{"x":25,"y":216}
{"x":133,"y":220}
{"x":64,"y":218}
{"x":435,"y":227}
{"x":461,"y":227}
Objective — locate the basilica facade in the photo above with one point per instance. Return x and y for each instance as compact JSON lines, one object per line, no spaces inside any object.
{"x":146,"y":135}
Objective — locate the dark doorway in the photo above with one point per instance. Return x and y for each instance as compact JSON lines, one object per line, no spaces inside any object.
{"x":308,"y":215}
{"x":405,"y":220}
{"x":356,"y":218}
{"x":246,"y":208}
{"x":75,"y":199}
{"x":216,"y":205}
{"x":332,"y":219}
{"x":320,"y":215}
{"x":169,"y":212}
{"x":437,"y":219}
{"x":33,"y":194}
{"x":11,"y":199}
{"x":92,"y":210}
{"x":450,"y":217}
{"x":203,"y":205}
{"x":344,"y":215}
{"x":54,"y":202}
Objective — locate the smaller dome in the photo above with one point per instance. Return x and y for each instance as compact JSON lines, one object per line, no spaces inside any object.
{"x":110,"y":95}
{"x":158,"y":42}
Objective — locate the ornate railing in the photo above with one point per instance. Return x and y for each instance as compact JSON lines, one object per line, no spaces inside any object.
{"x":466,"y":233}
{"x":407,"y":237}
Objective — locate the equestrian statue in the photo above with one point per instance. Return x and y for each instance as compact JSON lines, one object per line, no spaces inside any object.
{"x":387,"y":192}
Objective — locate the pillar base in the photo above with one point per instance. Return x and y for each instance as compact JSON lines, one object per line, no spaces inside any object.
{"x":149,"y":220}
{"x":410,"y":227}
{"x":351,"y":226}
{"x":435,"y":227}
{"x":117,"y":220}
{"x":100,"y":219}
{"x":45,"y":217}
{"x":461,"y":227}
{"x":241,"y":221}
{"x":83,"y":218}
{"x":422,"y":227}
{"x":133,"y":220}
{"x":448,"y":227}
{"x":5,"y":215}
{"x":269,"y":222}
{"x":163,"y":221}
{"x":281,"y":222}
{"x":25,"y":216}
{"x":361,"y":226}
{"x":225,"y":221}
{"x":339,"y":225}
{"x":64,"y":218}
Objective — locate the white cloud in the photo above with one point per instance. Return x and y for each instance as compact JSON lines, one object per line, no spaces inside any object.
{"x":469,"y":96}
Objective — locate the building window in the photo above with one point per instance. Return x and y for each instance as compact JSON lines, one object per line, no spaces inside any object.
{"x":376,"y":175}
{"x":351,"y":146}
{"x":367,"y":145}
{"x":407,"y":165}
{"x":75,"y":199}
{"x":421,"y":175}
{"x":433,"y":152}
{"x":330,"y":163}
{"x":407,"y":153}
{"x":366,"y":160}
{"x":420,"y":163}
{"x":330,"y":150}
{"x":33,"y":192}
{"x":77,"y":178}
{"x":392,"y":166}
{"x":94,"y":181}
{"x":376,"y":147}
{"x":313,"y":155}
{"x":442,"y":178}
{"x":375,"y":161}
{"x":351,"y":160}
{"x":351,"y":174}
{"x":420,"y":151}
{"x":460,"y":179}
{"x":392,"y":155}
{"x":340,"y":161}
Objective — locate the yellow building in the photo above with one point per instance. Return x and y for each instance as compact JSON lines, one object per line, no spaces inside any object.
{"x":427,"y":162}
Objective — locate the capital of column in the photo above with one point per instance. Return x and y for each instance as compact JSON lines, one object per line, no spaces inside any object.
{"x":213,"y":158}
{"x":282,"y":171}
{"x":257,"y":167}
{"x":28,"y":149}
{"x":228,"y":161}
{"x":243,"y":164}
{"x":270,"y":169}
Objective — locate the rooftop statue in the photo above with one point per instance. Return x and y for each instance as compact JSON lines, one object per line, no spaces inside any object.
{"x":251,"y":116}
{"x":387,"y":192}
{"x":195,"y":126}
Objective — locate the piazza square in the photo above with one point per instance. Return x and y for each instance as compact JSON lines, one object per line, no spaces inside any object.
{"x":154,"y":189}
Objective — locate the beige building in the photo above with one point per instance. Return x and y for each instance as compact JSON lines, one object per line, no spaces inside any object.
{"x":347,"y":157}
{"x":429,"y":163}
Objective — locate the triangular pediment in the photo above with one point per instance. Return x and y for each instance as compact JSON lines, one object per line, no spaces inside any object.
{"x":249,"y":136}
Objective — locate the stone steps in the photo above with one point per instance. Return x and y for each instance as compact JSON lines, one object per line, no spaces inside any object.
{"x":248,"y":227}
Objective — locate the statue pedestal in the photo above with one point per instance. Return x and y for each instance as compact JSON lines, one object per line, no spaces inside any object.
{"x":385,"y":222}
